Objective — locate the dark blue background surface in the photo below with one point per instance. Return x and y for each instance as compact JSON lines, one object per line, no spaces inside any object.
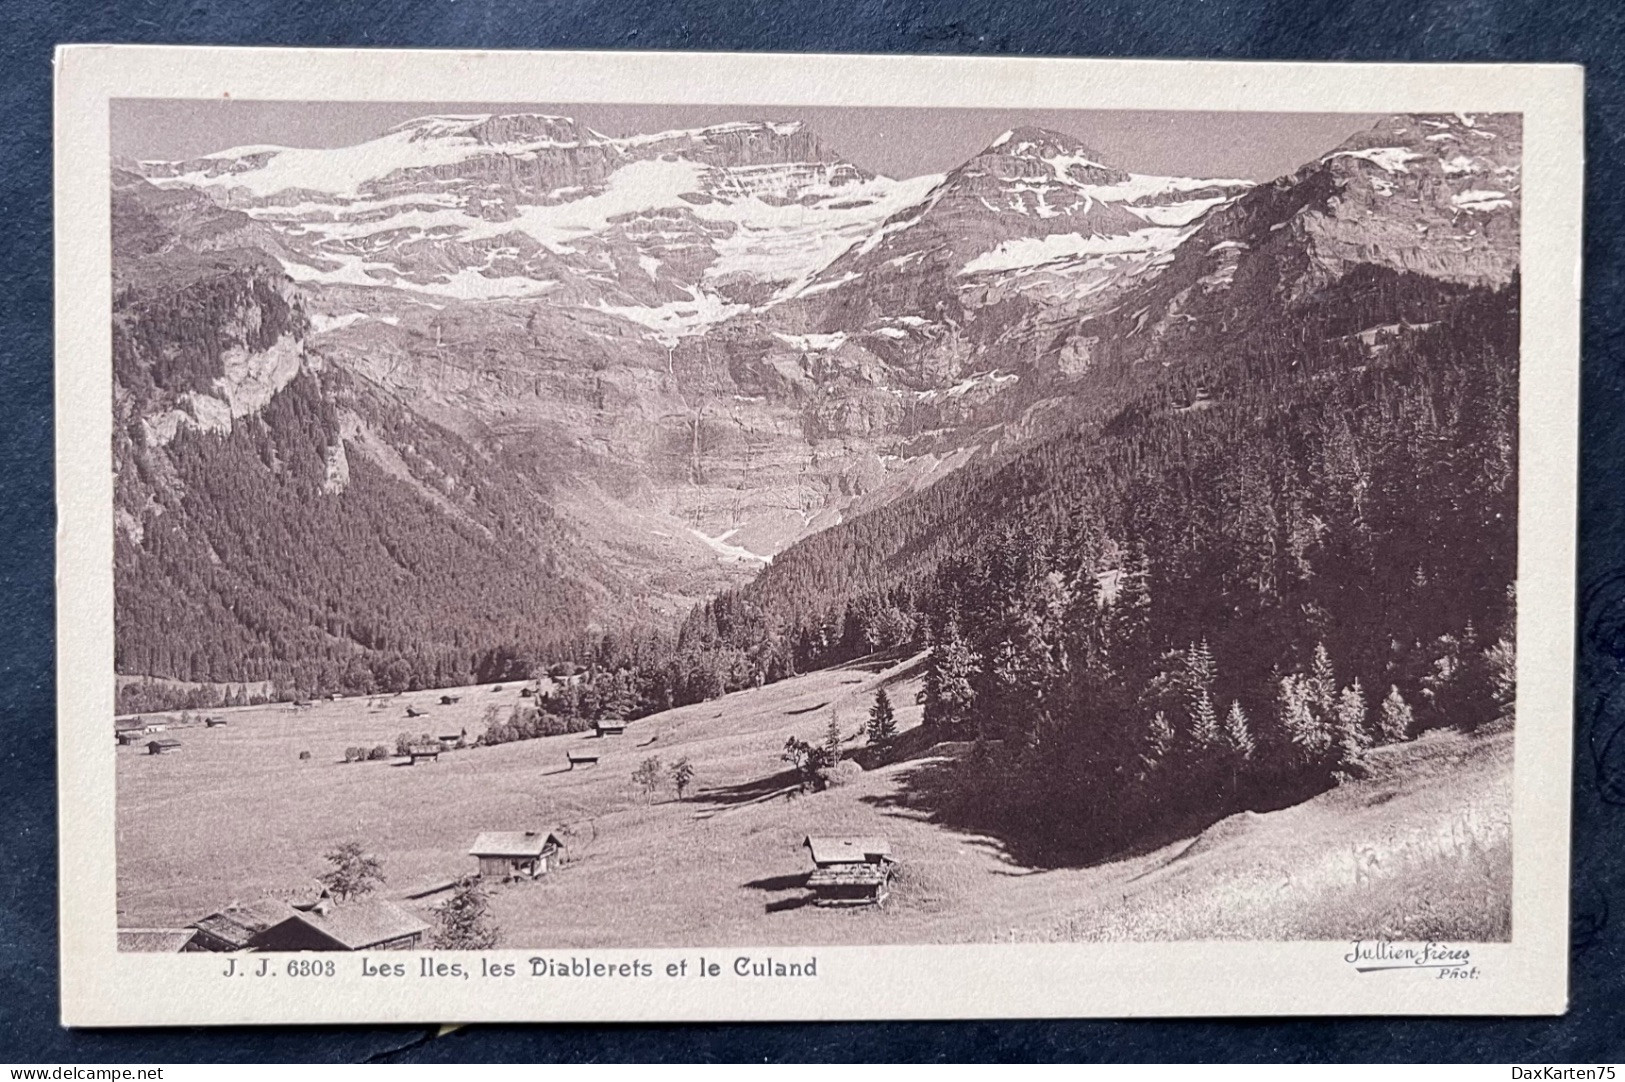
{"x":1524,"y":30}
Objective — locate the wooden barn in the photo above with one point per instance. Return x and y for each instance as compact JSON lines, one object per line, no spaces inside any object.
{"x":850,"y":871}
{"x":159,"y":941}
{"x":231,"y":928}
{"x":131,"y":730}
{"x":361,"y":924}
{"x":430,"y":751}
{"x":610,"y":726}
{"x":158,"y":747}
{"x":211,"y":723}
{"x":517,"y":854}
{"x":447,"y":700}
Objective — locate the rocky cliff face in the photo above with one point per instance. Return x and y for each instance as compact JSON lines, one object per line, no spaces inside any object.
{"x":207,"y":328}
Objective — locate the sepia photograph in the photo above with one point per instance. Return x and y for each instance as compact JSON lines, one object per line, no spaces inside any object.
{"x":691,"y":531}
{"x":578,"y":525}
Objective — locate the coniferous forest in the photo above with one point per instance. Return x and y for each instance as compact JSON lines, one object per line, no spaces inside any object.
{"x":1301,"y":546}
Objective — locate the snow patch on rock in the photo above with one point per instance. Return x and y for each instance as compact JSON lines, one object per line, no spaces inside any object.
{"x":721,"y":547}
{"x":1035,"y":251}
{"x":1482,"y":200}
{"x":1389,"y":159}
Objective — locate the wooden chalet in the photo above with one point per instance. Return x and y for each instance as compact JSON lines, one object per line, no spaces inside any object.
{"x":610,"y":726}
{"x":131,"y":730}
{"x":517,"y":854}
{"x":447,"y":700}
{"x":850,"y":871}
{"x":359,"y":924}
{"x":232,"y":928}
{"x":581,"y":758}
{"x":304,"y":896}
{"x":454,"y":740}
{"x":420,"y":751}
{"x":158,"y":941}
{"x":210,"y":723}
{"x":158,"y":747}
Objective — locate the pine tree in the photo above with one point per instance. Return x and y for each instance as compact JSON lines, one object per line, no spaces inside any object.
{"x":1198,"y":679}
{"x":1323,"y":682}
{"x":1349,"y":725}
{"x":948,"y":694}
{"x":1205,"y":732}
{"x":462,"y":922}
{"x":1238,"y":733}
{"x":1396,"y":719}
{"x":1200,"y":670}
{"x":1300,"y":720}
{"x":1128,"y":618}
{"x":1159,"y":741}
{"x":1502,"y":660}
{"x":882,"y":720}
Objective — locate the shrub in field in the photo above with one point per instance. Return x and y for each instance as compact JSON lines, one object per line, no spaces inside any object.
{"x":841,"y":773}
{"x":352,"y":871}
{"x":648,"y":776}
{"x":682,"y":772}
{"x":526,"y":722}
{"x":463,"y":922}
{"x":379,"y":752}
{"x":811,"y":762}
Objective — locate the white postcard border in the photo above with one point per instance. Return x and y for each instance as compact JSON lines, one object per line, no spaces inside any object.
{"x":101,"y":987}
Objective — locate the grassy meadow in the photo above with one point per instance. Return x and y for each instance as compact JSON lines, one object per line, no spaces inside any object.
{"x":1419,"y":849}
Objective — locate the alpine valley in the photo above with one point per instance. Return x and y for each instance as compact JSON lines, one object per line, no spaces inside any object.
{"x":698,"y":410}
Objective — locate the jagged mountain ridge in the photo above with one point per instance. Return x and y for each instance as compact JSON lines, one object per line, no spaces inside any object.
{"x":686,"y":423}
{"x":785,"y":400}
{"x":1435,"y":195}
{"x":527,"y":205}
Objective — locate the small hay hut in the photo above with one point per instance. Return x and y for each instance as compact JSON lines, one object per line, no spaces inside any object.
{"x":850,"y":871}
{"x":516,"y":854}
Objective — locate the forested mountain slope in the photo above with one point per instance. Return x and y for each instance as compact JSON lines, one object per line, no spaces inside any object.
{"x":1291,"y":537}
{"x":283,"y":520}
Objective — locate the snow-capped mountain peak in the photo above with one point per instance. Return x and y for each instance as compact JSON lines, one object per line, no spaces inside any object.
{"x":1039,"y":152}
{"x":1037,"y":211}
{"x":483,"y":206}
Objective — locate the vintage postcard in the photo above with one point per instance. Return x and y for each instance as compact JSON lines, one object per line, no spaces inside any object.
{"x":589,"y":536}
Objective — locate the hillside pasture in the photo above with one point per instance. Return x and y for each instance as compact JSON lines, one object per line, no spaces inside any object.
{"x":1419,"y":849}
